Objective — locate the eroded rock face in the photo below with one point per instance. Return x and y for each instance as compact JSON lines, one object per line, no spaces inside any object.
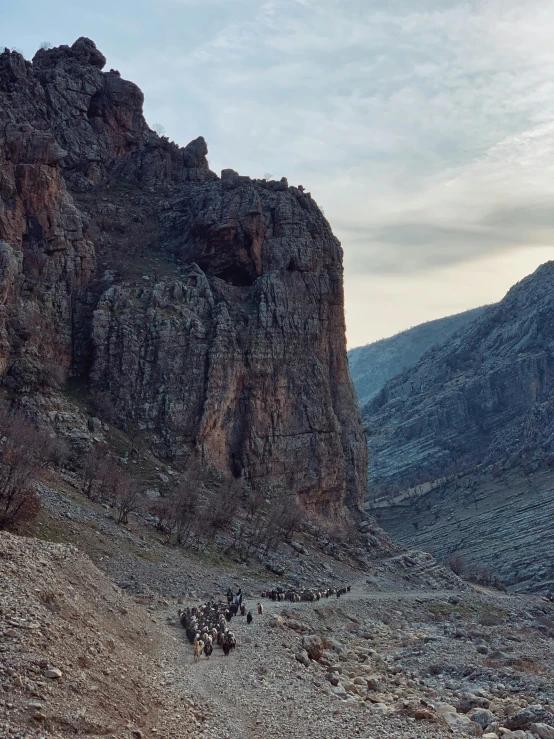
{"x":205,"y":312}
{"x":483,"y":398}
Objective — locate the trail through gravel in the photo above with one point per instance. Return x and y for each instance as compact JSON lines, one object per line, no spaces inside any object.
{"x":260,"y":690}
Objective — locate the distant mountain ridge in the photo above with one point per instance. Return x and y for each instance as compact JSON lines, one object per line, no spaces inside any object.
{"x":476,"y":395}
{"x":372,"y":365}
{"x":461,"y":444}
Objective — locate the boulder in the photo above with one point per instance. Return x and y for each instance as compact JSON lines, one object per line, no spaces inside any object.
{"x":543,"y":731}
{"x":524,"y":719}
{"x":481,"y":716}
{"x":469,"y":701}
{"x":313,"y":646}
{"x":459,"y":722}
{"x":54,"y":673}
{"x":375,"y":683}
{"x":302,"y":657}
{"x":335,"y":646}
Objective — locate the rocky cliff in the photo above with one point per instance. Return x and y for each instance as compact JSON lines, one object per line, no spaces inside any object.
{"x":462,"y":443}
{"x":371,"y":366}
{"x":483,"y":397}
{"x":205,"y":313}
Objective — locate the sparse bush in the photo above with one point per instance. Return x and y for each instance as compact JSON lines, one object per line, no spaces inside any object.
{"x":105,"y":407}
{"x":179,"y":514}
{"x":94,"y":471}
{"x":457,"y":564}
{"x":127,"y":496}
{"x":223,"y":506}
{"x":24,"y":450}
{"x":105,"y":479}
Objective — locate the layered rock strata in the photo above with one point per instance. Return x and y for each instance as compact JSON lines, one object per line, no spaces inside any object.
{"x":373,"y":365}
{"x":484,"y":397}
{"x":206,"y":313}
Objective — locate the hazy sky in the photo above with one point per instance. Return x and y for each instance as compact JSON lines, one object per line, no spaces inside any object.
{"x":424,"y":128}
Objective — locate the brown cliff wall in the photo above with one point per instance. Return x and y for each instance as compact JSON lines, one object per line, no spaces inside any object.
{"x":207,"y":312}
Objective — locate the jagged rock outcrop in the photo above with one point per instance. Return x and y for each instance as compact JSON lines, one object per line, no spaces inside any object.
{"x":204,"y":312}
{"x":477,"y":399}
{"x":372,"y":365}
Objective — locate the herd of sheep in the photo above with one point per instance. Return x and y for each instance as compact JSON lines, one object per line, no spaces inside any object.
{"x":207,"y":625}
{"x":307,"y":594}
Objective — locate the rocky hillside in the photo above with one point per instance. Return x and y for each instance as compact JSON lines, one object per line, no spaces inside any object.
{"x":410,"y":651}
{"x":482,"y":398}
{"x":371,"y":366}
{"x":488,"y":527}
{"x":462,"y":443}
{"x":203,"y":313}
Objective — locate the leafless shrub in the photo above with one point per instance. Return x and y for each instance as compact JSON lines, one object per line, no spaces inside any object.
{"x":284,"y":520}
{"x":477,"y":573}
{"x":187,"y":506}
{"x":51,"y":375}
{"x":23,"y":451}
{"x":94,"y":472}
{"x":126,"y":495}
{"x":179,"y":514}
{"x":106,"y":479}
{"x":162,"y":510}
{"x":457,"y":563}
{"x":255,"y":502}
{"x":224,"y":504}
{"x":104,"y":406}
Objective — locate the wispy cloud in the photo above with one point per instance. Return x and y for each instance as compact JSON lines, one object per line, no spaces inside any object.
{"x":425,"y":130}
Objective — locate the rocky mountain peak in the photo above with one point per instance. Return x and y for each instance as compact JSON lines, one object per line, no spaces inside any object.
{"x":205,"y":314}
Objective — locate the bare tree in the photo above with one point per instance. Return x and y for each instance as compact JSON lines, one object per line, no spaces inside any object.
{"x":23,"y":451}
{"x":255,"y":502}
{"x":284,"y":520}
{"x":94,"y":472}
{"x":223,"y":505}
{"x":179,"y":513}
{"x":127,"y":496}
{"x":457,"y":563}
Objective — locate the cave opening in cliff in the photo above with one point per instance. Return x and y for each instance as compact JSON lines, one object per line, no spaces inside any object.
{"x":95,"y":106}
{"x":237,"y":275}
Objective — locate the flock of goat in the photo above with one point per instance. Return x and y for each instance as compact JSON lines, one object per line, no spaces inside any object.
{"x":307,"y":595}
{"x":207,"y":625}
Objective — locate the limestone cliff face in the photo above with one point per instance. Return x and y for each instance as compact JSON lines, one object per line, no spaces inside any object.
{"x":206,"y":312}
{"x":482,"y":399}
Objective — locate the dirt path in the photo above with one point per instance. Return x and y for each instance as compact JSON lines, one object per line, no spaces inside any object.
{"x":259,"y":690}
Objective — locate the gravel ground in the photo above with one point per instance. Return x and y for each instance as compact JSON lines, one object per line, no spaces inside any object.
{"x":411,"y":652}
